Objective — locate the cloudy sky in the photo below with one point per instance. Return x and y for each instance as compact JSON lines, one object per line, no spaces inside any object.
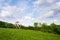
{"x":29,"y":11}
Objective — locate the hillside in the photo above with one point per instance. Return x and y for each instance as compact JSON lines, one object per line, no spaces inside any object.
{"x":20,"y":34}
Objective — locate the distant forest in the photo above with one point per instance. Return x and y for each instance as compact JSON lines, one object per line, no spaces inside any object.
{"x":52,"y":28}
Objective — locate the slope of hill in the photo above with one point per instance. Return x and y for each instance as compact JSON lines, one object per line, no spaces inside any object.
{"x":20,"y":34}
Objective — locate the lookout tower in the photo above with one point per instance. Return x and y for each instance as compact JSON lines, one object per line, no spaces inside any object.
{"x":17,"y":24}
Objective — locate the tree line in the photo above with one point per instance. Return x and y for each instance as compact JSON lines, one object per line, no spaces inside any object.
{"x":52,"y":28}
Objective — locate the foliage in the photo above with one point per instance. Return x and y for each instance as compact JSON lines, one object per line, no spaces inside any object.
{"x":6,"y":25}
{"x":52,"y":28}
{"x":35,"y":26}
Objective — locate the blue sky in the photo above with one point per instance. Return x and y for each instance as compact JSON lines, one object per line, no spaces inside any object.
{"x":29,"y":11}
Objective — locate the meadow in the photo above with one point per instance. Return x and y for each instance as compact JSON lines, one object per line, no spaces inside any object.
{"x":21,"y":34}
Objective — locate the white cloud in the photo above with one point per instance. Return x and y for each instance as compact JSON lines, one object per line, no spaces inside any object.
{"x":28,"y":17}
{"x":47,"y":14}
{"x":11,"y":10}
{"x":55,"y":5}
{"x":55,"y":20}
{"x":19,"y":10}
{"x":50,"y":1}
{"x":26,"y":20}
{"x":7,"y":11}
{"x":15,"y":11}
{"x":38,"y":2}
{"x":22,"y":7}
{"x":4,"y":13}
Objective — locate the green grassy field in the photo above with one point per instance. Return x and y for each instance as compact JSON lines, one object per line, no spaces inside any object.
{"x":20,"y":34}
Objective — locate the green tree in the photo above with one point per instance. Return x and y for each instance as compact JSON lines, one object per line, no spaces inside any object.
{"x":35,"y":25}
{"x":31,"y":27}
{"x":2,"y":24}
{"x":53,"y":27}
{"x":44,"y":27}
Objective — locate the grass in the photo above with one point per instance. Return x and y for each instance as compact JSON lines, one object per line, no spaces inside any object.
{"x":20,"y":34}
